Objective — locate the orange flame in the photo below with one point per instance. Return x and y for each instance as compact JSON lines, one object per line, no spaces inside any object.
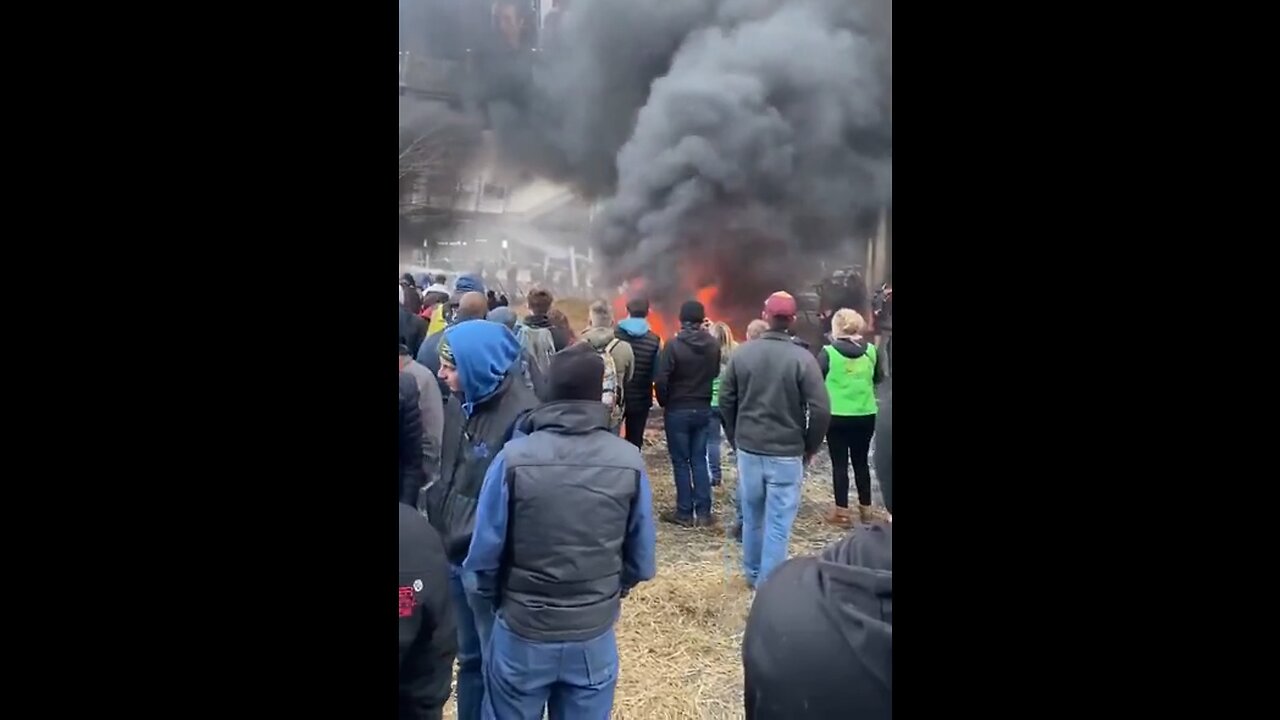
{"x":665,"y":324}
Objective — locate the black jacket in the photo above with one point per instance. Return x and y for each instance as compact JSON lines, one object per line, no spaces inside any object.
{"x":412,"y":472}
{"x":468,"y":447}
{"x":428,"y":634}
{"x":772,"y":398}
{"x":558,"y":336}
{"x":412,"y":299}
{"x":852,"y":349}
{"x":687,"y":367}
{"x":638,"y":393}
{"x":819,"y":638}
{"x":413,"y":330}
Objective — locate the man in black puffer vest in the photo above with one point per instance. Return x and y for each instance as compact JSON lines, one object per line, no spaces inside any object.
{"x":637,"y":394}
{"x":564,"y":529}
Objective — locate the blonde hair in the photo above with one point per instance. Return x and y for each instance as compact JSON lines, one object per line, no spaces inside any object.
{"x":724,"y":336}
{"x":846,"y":323}
{"x":756,"y":328}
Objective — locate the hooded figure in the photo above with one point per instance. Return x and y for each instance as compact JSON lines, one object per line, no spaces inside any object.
{"x":819,"y":639}
{"x":687,"y":367}
{"x":477,"y":360}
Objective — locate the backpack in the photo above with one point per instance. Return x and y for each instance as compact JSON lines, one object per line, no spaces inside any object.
{"x":612,"y":395}
{"x":539,"y":343}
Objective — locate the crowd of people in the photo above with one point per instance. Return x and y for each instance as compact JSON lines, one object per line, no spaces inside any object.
{"x":527,"y":503}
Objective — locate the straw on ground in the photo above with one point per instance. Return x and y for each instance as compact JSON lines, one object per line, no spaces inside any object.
{"x":680,"y":634}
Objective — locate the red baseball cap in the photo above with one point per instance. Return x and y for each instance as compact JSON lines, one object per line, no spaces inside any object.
{"x":780,"y":304}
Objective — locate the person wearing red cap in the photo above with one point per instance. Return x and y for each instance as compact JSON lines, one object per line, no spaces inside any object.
{"x":776,"y":412}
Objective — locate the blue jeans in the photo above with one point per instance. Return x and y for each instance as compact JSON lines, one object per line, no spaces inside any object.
{"x":475,"y":624}
{"x":573,"y":680}
{"x":737,"y":507}
{"x":770,"y":494}
{"x":687,"y":441}
{"x":713,"y":446}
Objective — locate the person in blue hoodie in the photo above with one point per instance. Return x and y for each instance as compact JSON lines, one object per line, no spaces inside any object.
{"x":637,"y":396}
{"x":564,"y":529}
{"x":479,"y":363}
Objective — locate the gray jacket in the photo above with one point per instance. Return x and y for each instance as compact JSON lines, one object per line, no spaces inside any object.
{"x":431,"y":407}
{"x":767,"y":390}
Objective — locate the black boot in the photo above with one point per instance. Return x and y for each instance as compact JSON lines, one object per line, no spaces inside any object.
{"x":676,"y":519}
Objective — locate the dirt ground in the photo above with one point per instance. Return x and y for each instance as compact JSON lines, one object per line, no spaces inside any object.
{"x":680,"y":634}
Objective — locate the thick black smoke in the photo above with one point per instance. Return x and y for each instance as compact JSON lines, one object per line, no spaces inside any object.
{"x":729,"y":138}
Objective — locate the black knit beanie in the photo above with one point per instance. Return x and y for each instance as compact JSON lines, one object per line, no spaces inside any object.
{"x":692,"y":312}
{"x":576,"y":373}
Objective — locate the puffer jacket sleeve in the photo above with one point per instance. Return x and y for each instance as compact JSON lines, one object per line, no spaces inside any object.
{"x":412,"y":473}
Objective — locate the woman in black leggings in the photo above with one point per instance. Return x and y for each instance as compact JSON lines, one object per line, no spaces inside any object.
{"x":852,"y":368}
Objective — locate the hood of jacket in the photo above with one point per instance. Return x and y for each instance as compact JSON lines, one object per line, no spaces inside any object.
{"x":599,"y":337}
{"x":484,"y":352}
{"x":633,"y":326}
{"x":537,"y":321}
{"x":856,"y":577}
{"x":699,"y":340}
{"x":570,"y":417}
{"x":852,"y":348}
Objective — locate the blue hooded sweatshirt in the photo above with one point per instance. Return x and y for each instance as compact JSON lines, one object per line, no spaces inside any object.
{"x":483,"y":352}
{"x":633,"y":326}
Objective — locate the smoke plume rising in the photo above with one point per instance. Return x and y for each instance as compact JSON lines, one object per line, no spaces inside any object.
{"x":728,"y":139}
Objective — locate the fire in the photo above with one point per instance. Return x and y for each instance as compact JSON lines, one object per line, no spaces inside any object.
{"x":666,"y":324}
